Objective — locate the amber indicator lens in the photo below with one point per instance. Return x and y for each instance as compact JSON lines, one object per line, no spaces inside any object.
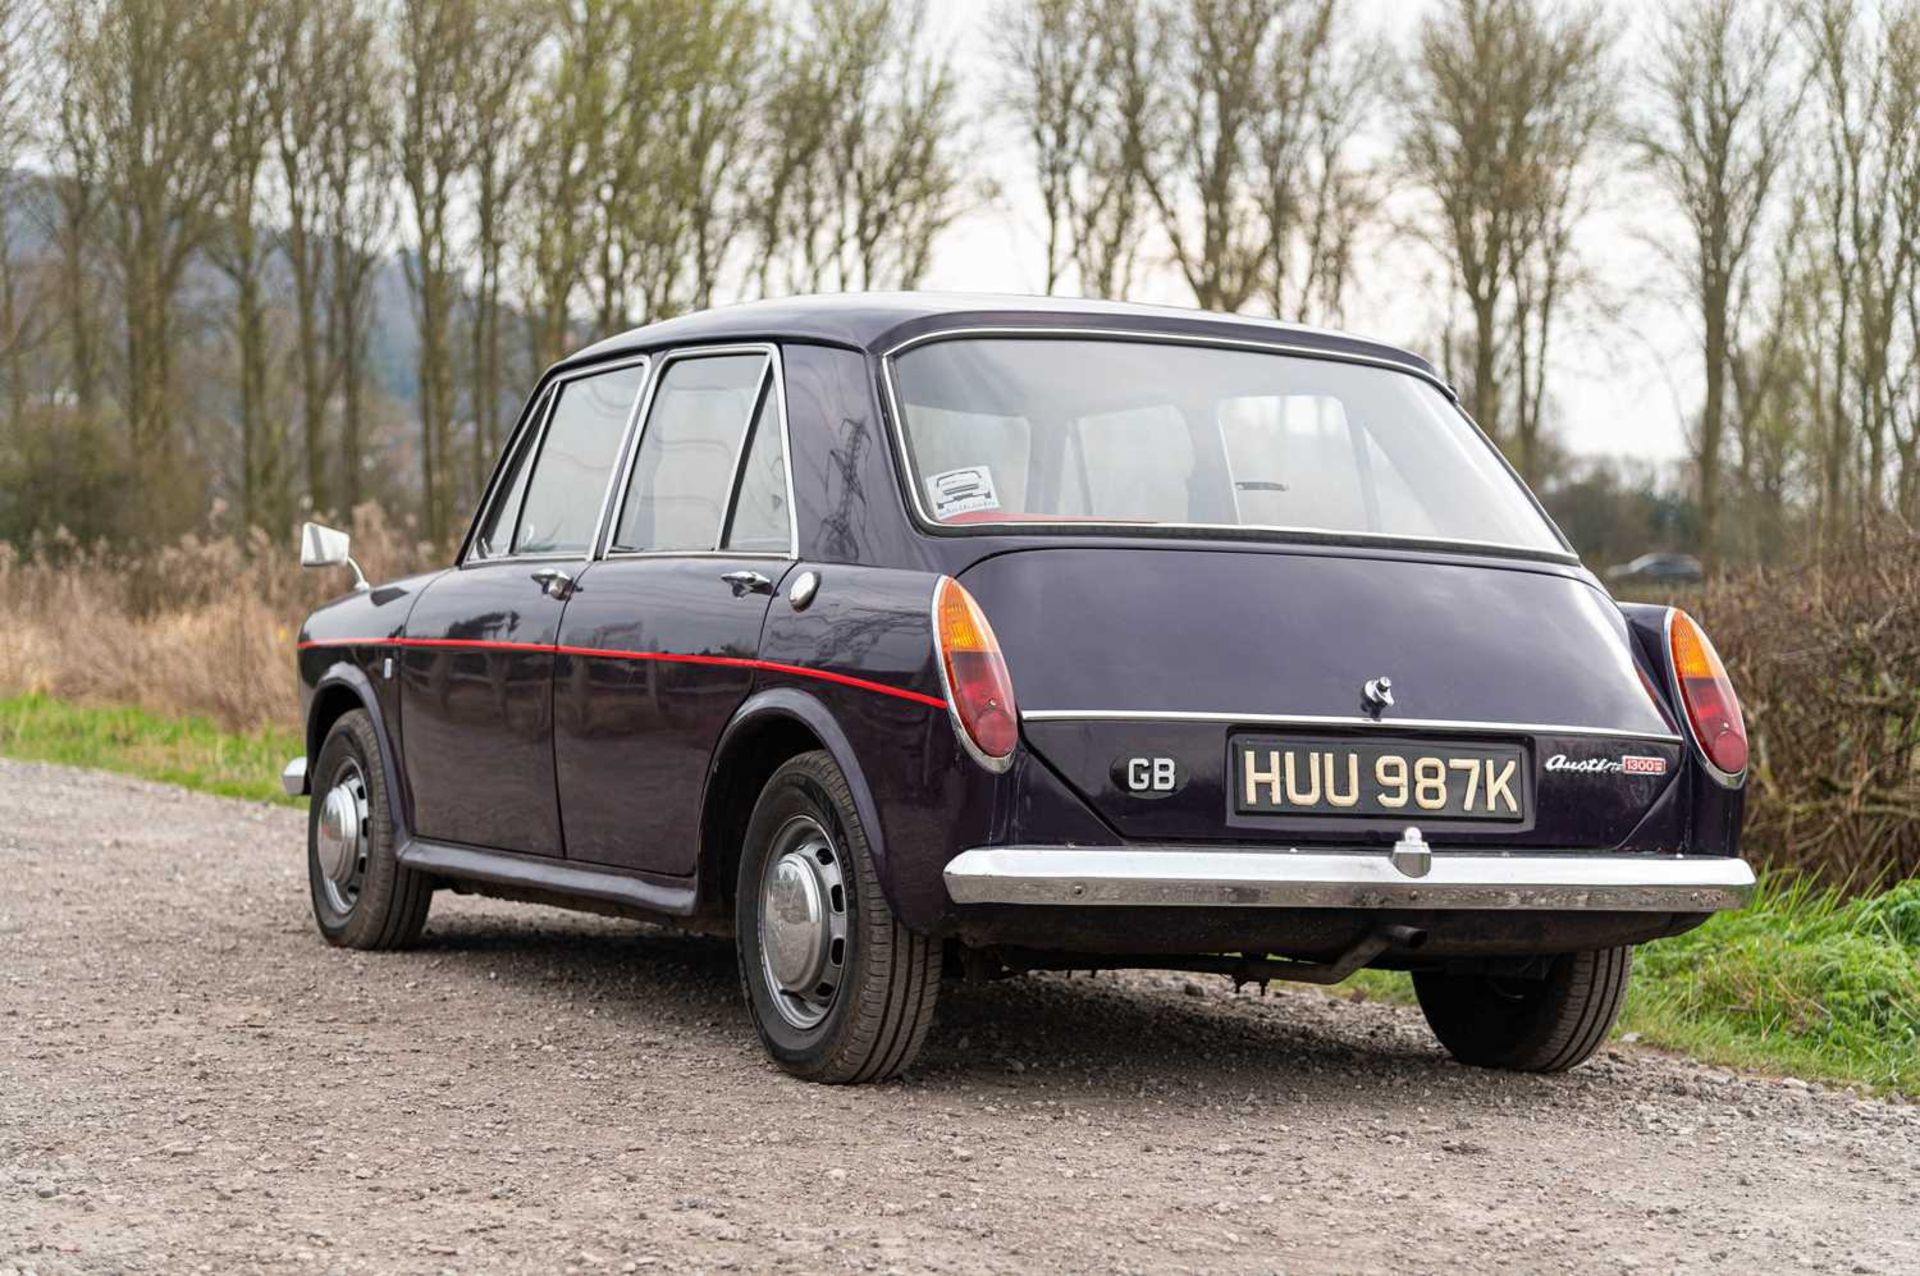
{"x":1712,"y":709}
{"x":976,"y":672}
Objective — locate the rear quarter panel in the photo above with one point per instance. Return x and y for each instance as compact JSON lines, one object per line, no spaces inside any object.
{"x":870,"y":630}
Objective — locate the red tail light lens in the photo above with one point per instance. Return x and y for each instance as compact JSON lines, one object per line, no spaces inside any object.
{"x":1712,"y":708}
{"x":979,"y":690}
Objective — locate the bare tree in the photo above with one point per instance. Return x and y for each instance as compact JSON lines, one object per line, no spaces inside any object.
{"x":1111,"y":212}
{"x":1901,"y":374}
{"x":570,"y":157}
{"x":438,"y":41}
{"x":1315,"y":199}
{"x":355,"y":213}
{"x":1050,"y":48}
{"x":304,"y":100}
{"x":1502,"y":111}
{"x":144,"y":78}
{"x":77,"y":191}
{"x":864,"y":182}
{"x":714,"y":124}
{"x":1080,"y":85}
{"x":510,"y":32}
{"x":1721,"y":132}
{"x":1870,"y":148}
{"x":1547,"y":271}
{"x":20,"y":36}
{"x":1773,"y":384}
{"x":238,"y":244}
{"x":1201,"y":173}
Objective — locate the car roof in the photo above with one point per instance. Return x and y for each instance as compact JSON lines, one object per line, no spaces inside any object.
{"x":876,"y":322}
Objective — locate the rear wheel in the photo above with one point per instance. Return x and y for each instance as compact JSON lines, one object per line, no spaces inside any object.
{"x":1529,"y":1025}
{"x":839,"y":990}
{"x":363,"y":897}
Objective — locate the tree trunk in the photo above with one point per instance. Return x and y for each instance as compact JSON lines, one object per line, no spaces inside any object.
{"x":313,"y":389}
{"x":1713,"y":419}
{"x":1486,"y":376}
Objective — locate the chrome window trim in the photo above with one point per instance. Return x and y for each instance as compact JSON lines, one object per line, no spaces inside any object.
{"x":1722,"y":778}
{"x":1042,"y":332}
{"x":549,"y":401}
{"x":770,"y":555}
{"x":774,"y":367}
{"x":1468,"y":726}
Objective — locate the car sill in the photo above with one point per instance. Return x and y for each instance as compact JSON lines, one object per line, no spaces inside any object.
{"x":552,"y":876}
{"x":1140,"y":876}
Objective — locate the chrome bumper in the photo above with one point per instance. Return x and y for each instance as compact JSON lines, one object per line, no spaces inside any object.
{"x":293,"y":777}
{"x":1262,"y":878}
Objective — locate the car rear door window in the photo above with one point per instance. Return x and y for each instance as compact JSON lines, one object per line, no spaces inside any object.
{"x":569,"y":480}
{"x":760,"y":519}
{"x":677,"y":497}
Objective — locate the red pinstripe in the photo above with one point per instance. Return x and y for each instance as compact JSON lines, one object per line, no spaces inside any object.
{"x":606,"y":653}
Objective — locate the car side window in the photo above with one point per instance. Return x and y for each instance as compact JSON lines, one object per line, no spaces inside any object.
{"x":569,"y":476}
{"x":682,"y":475}
{"x":496,"y":529}
{"x":759,"y":523}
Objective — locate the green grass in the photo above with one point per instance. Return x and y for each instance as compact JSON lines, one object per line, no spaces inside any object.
{"x":189,"y":751}
{"x":1805,"y":981}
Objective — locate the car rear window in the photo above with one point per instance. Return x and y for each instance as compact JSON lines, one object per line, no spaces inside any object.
{"x":1132,"y":432}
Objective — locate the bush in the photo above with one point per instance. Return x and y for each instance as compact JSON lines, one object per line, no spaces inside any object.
{"x":1826,"y":658}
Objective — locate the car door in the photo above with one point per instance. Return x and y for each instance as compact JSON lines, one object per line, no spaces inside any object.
{"x":478,"y":660}
{"x":657,"y":646}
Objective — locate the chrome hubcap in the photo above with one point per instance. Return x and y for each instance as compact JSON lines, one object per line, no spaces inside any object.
{"x":340,"y":840}
{"x":803,"y":922}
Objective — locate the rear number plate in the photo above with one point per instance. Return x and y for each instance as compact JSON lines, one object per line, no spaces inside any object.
{"x":1390,"y":779}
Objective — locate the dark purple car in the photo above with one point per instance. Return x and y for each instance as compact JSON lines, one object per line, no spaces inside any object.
{"x":908,"y":636}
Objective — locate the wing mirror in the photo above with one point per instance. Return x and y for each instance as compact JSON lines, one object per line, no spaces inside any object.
{"x":322,"y":546}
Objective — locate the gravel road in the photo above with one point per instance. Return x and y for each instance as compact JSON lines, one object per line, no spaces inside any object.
{"x":191,"y":1080}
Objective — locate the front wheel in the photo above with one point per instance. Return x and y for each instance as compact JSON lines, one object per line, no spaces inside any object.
{"x":839,"y":990}
{"x":363,"y":897}
{"x":1528,"y":1025}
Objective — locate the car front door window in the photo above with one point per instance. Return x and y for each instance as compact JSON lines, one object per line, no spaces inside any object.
{"x":569,"y":481}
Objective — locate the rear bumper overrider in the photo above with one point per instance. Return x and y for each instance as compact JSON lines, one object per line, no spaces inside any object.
{"x":1263,"y":877}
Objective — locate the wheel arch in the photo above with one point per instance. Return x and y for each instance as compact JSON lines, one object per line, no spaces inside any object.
{"x":339,"y":690}
{"x":771,"y":727}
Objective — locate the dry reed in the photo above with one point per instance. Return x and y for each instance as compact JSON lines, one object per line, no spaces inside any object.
{"x":203,"y":626}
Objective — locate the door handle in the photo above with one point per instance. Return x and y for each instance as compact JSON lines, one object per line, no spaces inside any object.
{"x":553,"y":582}
{"x":747,"y":582}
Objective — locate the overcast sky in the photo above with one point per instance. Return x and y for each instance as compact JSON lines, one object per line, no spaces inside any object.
{"x":1623,"y":377}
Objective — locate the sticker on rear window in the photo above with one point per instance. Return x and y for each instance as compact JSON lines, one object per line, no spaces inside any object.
{"x":963,"y":491}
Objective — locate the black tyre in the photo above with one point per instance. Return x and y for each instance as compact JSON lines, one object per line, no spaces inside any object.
{"x":839,"y":990}
{"x":1529,"y":1025}
{"x":362,"y":896}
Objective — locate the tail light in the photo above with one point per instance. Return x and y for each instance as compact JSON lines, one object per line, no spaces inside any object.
{"x":979,"y":690}
{"x":1713,"y":710}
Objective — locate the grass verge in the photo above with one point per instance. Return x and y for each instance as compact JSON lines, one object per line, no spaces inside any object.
{"x":1805,"y":981}
{"x":188,"y":751}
